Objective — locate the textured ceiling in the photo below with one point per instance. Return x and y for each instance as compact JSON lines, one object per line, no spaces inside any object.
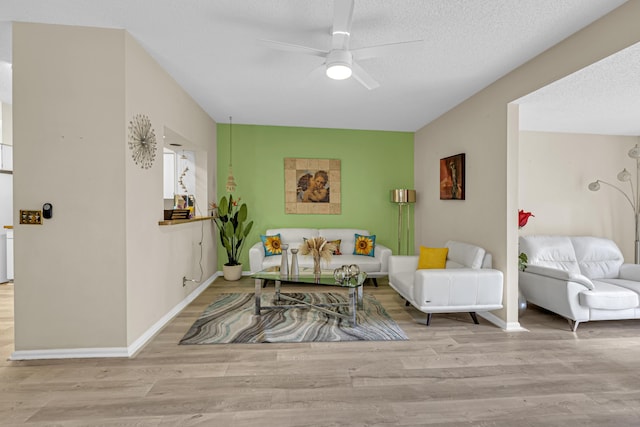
{"x":211,"y":49}
{"x":603,"y":98}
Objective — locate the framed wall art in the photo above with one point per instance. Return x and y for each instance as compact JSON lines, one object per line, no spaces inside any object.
{"x":452,"y":177}
{"x":312,"y":186}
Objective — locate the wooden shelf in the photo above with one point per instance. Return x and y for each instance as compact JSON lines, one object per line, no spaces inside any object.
{"x":184,"y":221}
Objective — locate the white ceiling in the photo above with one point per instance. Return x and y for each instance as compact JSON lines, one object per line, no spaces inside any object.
{"x":603,"y":98}
{"x":211,"y":49}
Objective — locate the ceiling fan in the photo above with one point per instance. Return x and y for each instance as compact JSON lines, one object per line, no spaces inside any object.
{"x":341,"y":61}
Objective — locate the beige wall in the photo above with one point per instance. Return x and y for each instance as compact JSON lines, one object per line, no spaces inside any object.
{"x":68,"y":92}
{"x":159,"y":257}
{"x":101,"y":272}
{"x":554,"y":172}
{"x":479,"y":127}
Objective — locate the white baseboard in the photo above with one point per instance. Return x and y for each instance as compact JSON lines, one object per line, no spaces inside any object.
{"x":130,"y":351}
{"x":508,"y":327}
{"x":150,"y":333}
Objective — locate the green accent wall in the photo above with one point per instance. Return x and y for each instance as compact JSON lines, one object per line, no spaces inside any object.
{"x":372,"y":164}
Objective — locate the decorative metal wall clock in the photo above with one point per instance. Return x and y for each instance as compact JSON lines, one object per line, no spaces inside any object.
{"x":142,"y":141}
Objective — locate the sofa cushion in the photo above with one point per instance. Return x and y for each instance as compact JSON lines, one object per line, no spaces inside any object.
{"x":464,"y":254}
{"x":336,"y":243}
{"x":365,"y":245}
{"x":345,"y":235}
{"x":432,"y":258}
{"x":366,"y":264}
{"x":271,"y":244}
{"x":550,"y":251}
{"x":632,"y":285}
{"x":597,"y":258}
{"x":607,"y":296}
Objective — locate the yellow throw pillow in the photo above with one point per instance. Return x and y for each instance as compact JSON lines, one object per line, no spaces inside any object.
{"x":432,"y":258}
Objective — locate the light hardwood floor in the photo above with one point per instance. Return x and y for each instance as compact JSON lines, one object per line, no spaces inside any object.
{"x":453,"y":373}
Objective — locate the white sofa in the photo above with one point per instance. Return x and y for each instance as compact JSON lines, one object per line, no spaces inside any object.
{"x":467,"y":284}
{"x":581,"y":278}
{"x":375,"y":266}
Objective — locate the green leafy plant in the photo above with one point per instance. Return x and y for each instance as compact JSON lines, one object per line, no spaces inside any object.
{"x":230,"y":217}
{"x":522,"y":261}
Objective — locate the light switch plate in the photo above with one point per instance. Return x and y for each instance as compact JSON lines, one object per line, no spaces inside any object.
{"x":30,"y":217}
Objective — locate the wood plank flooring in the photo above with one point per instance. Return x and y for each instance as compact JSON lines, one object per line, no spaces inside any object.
{"x":453,"y":373}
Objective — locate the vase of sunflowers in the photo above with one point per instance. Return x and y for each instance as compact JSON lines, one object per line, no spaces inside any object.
{"x":319,"y":249}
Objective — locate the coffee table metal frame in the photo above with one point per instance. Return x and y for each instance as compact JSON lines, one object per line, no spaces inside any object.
{"x":307,"y":277}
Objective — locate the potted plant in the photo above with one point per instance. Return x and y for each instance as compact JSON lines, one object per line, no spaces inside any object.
{"x":230,"y":217}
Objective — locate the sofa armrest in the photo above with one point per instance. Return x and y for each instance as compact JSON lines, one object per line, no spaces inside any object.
{"x":256,"y":256}
{"x":441,"y":289}
{"x":383,"y":253}
{"x":560,"y":295}
{"x":630,"y":272}
{"x":564,"y":275}
{"x":400,"y":263}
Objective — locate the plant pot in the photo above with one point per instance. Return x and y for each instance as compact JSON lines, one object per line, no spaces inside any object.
{"x":232,"y":272}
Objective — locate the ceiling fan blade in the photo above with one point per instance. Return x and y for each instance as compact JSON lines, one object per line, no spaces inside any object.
{"x":313,"y":76}
{"x":342,"y":18}
{"x":387,"y":49}
{"x":363,"y":77}
{"x":288,"y":47}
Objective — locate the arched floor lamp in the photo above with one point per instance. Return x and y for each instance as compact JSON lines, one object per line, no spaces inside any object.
{"x":633,"y":197}
{"x":403,"y":197}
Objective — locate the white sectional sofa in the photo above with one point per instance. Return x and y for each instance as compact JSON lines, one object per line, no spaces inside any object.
{"x":375,"y":266}
{"x":467,"y":284}
{"x":581,"y":278}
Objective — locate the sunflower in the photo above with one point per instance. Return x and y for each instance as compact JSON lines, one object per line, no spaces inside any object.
{"x":272,"y":244}
{"x":364,"y":245}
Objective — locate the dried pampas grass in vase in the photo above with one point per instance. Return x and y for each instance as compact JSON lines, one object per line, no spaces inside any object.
{"x":318,"y":248}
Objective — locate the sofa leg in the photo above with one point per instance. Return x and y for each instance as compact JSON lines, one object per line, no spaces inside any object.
{"x":474,"y":317}
{"x":375,"y":282}
{"x":428,"y":319}
{"x":407,"y":303}
{"x":573,"y":324}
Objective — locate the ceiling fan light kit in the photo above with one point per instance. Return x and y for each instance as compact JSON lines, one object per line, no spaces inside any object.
{"x":339,"y":64}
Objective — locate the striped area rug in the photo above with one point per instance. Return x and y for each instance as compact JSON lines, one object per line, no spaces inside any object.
{"x":230,"y":319}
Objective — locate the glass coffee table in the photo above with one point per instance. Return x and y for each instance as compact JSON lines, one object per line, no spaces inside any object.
{"x":306,"y":277}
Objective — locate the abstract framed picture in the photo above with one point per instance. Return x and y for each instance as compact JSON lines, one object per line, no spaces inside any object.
{"x":312,"y":186}
{"x":452,"y":177}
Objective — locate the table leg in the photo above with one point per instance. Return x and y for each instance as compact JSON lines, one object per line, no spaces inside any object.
{"x":258,"y":293}
{"x":352,"y":305}
{"x":360,"y":298}
{"x":277,"y":290}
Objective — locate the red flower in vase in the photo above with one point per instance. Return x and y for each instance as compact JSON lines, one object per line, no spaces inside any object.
{"x":523,"y":218}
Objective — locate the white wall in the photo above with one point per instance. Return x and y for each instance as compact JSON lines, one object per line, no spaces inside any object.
{"x":101,"y":272}
{"x":7,"y":123}
{"x":479,"y":127}
{"x":554,"y":172}
{"x":6,"y":180}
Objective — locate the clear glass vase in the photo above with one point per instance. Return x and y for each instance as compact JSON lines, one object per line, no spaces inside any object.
{"x":316,"y":265}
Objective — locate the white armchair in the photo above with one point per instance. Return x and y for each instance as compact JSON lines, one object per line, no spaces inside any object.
{"x":467,"y":284}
